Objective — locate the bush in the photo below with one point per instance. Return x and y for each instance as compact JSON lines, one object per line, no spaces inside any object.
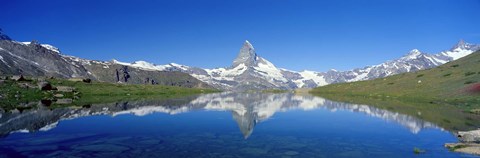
{"x":447,"y":74}
{"x":391,"y":83}
{"x":421,"y":75}
{"x":469,"y":73}
{"x":456,"y":65}
{"x":469,"y":82}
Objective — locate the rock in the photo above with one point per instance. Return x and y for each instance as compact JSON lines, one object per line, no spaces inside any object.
{"x":468,"y":148}
{"x":469,"y":136}
{"x":64,"y":101}
{"x":2,"y":82}
{"x":87,"y":80}
{"x":45,"y":86}
{"x":46,"y":102}
{"x":65,"y":89}
{"x":76,"y":79}
{"x":18,"y":78}
{"x":58,"y":95}
{"x":23,"y":85}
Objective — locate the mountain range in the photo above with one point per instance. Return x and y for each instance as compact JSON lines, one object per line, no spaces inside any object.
{"x":35,"y":59}
{"x":248,"y":71}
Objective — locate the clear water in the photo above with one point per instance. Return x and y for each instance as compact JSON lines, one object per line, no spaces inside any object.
{"x":221,"y":125}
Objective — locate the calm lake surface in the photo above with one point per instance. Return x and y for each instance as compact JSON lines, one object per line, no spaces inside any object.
{"x":221,"y":125}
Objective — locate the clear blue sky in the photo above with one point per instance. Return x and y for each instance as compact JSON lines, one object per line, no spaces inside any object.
{"x":313,"y":35}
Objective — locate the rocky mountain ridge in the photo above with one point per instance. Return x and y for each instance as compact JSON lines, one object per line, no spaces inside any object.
{"x":35,"y":59}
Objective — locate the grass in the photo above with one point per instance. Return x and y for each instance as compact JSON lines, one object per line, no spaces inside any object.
{"x":9,"y":89}
{"x":114,"y":89}
{"x":89,"y":93}
{"x":445,"y":84}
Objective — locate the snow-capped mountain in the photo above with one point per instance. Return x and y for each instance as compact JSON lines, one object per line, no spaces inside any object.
{"x":250,"y":71}
{"x":413,"y":61}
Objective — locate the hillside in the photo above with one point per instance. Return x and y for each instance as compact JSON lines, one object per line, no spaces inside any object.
{"x":452,"y":83}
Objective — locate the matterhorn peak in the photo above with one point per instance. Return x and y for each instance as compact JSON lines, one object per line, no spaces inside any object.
{"x":246,"y":55}
{"x":249,"y":44}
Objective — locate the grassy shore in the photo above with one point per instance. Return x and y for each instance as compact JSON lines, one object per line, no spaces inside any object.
{"x":14,"y":94}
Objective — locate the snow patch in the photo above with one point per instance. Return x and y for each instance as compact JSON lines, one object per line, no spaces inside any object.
{"x":457,"y":53}
{"x":310,"y":75}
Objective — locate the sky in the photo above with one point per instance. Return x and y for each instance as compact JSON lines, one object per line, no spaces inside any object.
{"x":294,"y":34}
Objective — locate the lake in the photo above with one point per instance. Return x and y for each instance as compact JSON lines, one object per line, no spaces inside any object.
{"x":221,"y":125}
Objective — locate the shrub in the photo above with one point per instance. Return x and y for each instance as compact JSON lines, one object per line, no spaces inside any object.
{"x":391,"y":83}
{"x":456,"y":65}
{"x":447,"y":74}
{"x":469,"y":73}
{"x":447,"y":121}
{"x":420,"y":75}
{"x":469,"y":82}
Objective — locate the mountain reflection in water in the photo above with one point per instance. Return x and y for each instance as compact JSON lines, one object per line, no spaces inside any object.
{"x":248,"y":109}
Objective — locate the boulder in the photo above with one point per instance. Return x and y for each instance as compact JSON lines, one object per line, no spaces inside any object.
{"x":23,"y":85}
{"x":86,"y":80}
{"x":64,"y":101}
{"x":469,"y":136}
{"x":18,"y":78}
{"x":65,"y":89}
{"x":45,"y":86}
